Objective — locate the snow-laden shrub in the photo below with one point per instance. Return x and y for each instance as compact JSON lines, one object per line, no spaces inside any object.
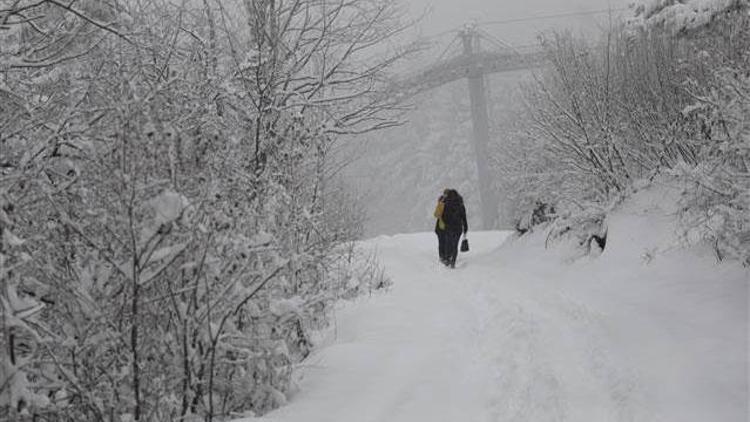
{"x":583,"y":230}
{"x":679,"y":16}
{"x":540,"y":213}
{"x":716,"y":195}
{"x":579,"y":139}
{"x":358,"y":272}
{"x":21,"y":336}
{"x":167,"y":234}
{"x":715,"y":189}
{"x":609,"y":113}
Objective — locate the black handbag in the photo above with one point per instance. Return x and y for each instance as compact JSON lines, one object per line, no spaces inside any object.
{"x":465,"y":245}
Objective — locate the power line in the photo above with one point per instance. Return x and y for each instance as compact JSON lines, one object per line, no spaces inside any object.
{"x":528,"y":19}
{"x":559,"y":15}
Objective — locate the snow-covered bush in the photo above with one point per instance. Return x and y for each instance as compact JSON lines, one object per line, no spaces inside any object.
{"x":581,"y":140}
{"x":679,"y":16}
{"x":716,"y":196}
{"x":586,"y":228}
{"x":167,"y":224}
{"x":643,"y":99}
{"x":358,"y":272}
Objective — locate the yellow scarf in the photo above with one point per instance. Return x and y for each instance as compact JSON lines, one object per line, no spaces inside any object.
{"x":439,"y":214}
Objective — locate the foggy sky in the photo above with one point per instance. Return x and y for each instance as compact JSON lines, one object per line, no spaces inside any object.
{"x":445,"y":15}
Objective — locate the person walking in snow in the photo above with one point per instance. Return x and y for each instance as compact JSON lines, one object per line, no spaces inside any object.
{"x":450,"y":225}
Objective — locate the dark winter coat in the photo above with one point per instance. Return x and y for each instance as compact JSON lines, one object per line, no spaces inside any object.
{"x":454,"y":213}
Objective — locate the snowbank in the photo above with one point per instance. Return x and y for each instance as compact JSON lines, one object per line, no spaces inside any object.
{"x":675,"y":312}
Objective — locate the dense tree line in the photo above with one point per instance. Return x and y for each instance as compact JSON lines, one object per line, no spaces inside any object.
{"x":171,"y":227}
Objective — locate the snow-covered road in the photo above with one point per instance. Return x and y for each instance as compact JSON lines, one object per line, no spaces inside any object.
{"x":479,"y":343}
{"x":490,"y":341}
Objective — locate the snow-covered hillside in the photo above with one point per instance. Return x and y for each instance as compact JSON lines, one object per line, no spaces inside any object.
{"x":645,"y":332}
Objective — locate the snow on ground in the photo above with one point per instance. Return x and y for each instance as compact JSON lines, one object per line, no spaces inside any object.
{"x":645,"y":332}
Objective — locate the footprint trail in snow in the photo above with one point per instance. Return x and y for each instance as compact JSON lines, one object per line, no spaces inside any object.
{"x":488,"y":342}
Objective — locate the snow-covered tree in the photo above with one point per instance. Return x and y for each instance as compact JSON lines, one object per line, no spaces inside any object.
{"x":170,"y":226}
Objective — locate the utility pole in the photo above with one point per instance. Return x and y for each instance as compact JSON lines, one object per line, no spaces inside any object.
{"x":481,"y":129}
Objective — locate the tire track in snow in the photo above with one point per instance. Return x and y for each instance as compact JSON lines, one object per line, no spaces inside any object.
{"x":524,"y":386}
{"x":610,"y":369}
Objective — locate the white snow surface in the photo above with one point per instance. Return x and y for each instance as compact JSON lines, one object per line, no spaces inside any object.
{"x":647,"y":331}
